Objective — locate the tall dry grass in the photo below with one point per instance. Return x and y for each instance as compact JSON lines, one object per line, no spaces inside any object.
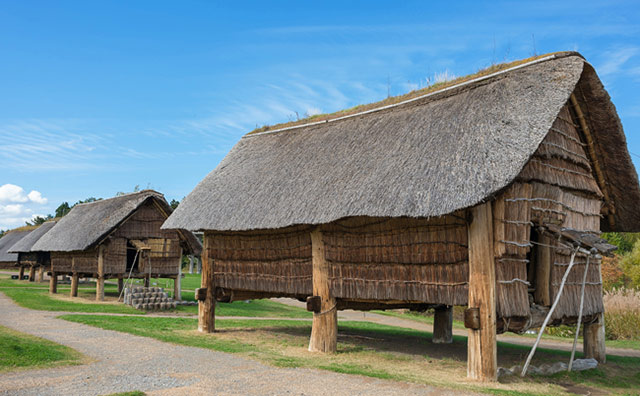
{"x":622,"y":314}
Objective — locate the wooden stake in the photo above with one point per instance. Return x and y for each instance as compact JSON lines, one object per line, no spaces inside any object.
{"x":21,"y":273}
{"x":74,"y":284}
{"x":32,"y":273}
{"x":593,"y":343}
{"x":100,"y":280}
{"x":207,"y":307}
{"x":177,"y":283}
{"x":324,"y":331}
{"x":53,"y":283}
{"x":482,"y":349}
{"x":120,"y":284}
{"x":41,"y":273}
{"x":147,"y":281}
{"x":442,"y":325}
{"x":544,"y":263}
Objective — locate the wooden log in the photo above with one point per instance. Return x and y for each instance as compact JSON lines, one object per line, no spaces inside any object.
{"x":544,"y":264}
{"x":53,"y":283}
{"x":177,"y":283}
{"x":41,"y":273}
{"x":74,"y":284}
{"x":147,"y":281}
{"x":21,"y":273}
{"x":191,"y":263}
{"x":593,"y":340}
{"x":120,"y":284}
{"x":443,"y":325}
{"x":32,"y":273}
{"x":100,"y":279}
{"x":207,"y":307}
{"x":481,"y":346}
{"x":324,"y":330}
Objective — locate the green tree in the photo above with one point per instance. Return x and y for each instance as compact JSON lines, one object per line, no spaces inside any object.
{"x":63,"y":209}
{"x":174,"y":204}
{"x":630,"y":264}
{"x":37,"y":220}
{"x":623,"y":240}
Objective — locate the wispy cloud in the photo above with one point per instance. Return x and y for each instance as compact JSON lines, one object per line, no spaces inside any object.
{"x":616,"y":61}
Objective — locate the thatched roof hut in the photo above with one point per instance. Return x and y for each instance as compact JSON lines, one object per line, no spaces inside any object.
{"x":118,"y":237}
{"x":33,"y":260}
{"x":456,"y":196}
{"x":10,"y":260}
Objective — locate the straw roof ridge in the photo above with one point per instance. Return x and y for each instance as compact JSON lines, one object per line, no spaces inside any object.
{"x":25,"y":244}
{"x":7,"y":241}
{"x":423,"y":158}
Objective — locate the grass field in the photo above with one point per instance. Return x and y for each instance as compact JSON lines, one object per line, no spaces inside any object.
{"x":376,"y":351}
{"x":23,"y":351}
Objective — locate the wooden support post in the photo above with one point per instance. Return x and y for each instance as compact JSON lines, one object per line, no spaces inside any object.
{"x":74,"y":284}
{"x":41,"y":273}
{"x":481,"y":346}
{"x":21,"y":273}
{"x":191,"y":263}
{"x":32,"y":273}
{"x":593,"y":340}
{"x":147,"y":281}
{"x":120,"y":284}
{"x":207,"y":307}
{"x":544,"y":263}
{"x":53,"y":283}
{"x":324,"y":331}
{"x":100,"y":280}
{"x":443,"y":325}
{"x":177,"y":283}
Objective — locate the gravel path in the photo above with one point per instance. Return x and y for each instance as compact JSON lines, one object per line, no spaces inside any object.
{"x":123,"y":362}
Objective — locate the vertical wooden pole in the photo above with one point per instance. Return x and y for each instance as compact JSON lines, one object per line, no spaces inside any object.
{"x":593,"y":340}
{"x":100,"y":280}
{"x":21,"y":273}
{"x":324,"y":331}
{"x":41,"y":273}
{"x":74,"y":284}
{"x":147,"y":281}
{"x":207,"y":307}
{"x":32,"y":273}
{"x":53,"y":283}
{"x":191,"y":263}
{"x":120,"y":284}
{"x":482,"y":349}
{"x":544,"y":263}
{"x":443,"y":325}
{"x":177,"y":283}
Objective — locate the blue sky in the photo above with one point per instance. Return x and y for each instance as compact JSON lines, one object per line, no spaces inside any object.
{"x":97,"y":97}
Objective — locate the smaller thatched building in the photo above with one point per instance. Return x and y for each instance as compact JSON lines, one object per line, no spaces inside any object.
{"x":10,"y":238}
{"x":40,"y":261}
{"x":119,"y":238}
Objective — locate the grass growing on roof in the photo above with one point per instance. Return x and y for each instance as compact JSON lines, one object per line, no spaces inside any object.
{"x":373,"y":350}
{"x":22,"y":351}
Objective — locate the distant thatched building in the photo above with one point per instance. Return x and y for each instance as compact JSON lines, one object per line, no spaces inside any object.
{"x":117,"y":238}
{"x":473,"y":195}
{"x":33,"y":260}
{"x":10,"y":260}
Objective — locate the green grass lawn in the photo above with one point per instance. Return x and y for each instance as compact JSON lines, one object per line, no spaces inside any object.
{"x":376,"y":351}
{"x":22,"y":351}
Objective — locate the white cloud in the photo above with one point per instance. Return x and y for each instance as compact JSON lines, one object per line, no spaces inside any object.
{"x":12,"y":210}
{"x":13,"y":193}
{"x":311,"y":111}
{"x":36,"y":196}
{"x":616,"y":60}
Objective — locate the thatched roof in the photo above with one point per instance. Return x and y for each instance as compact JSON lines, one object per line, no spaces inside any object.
{"x":7,"y":241}
{"x":25,"y":244}
{"x":88,"y":224}
{"x":425,"y":157}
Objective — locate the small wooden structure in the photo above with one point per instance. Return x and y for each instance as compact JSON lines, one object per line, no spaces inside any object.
{"x":34,"y":261}
{"x":10,"y":260}
{"x":119,"y":238}
{"x":475,"y":195}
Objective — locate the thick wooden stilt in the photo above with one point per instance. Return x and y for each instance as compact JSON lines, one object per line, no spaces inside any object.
{"x":593,"y":340}
{"x":147,"y":281}
{"x":544,"y":263}
{"x":21,"y":273}
{"x":482,"y":349}
{"x":443,"y":325}
{"x":41,"y":273}
{"x":53,"y":283}
{"x":100,"y":280}
{"x":120,"y":284}
{"x":177,"y":283}
{"x":74,"y":285}
{"x":324,"y":331}
{"x":32,"y":273}
{"x":207,"y":307}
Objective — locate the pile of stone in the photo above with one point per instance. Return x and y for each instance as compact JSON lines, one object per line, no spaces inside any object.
{"x":550,"y":368}
{"x":148,"y":298}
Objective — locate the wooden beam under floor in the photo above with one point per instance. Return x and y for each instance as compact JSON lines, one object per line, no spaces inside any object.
{"x":324,"y":330}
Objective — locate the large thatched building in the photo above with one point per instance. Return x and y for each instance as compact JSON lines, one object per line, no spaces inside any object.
{"x":116,"y":238}
{"x":10,"y":260}
{"x":476,"y":194}
{"x":40,"y":261}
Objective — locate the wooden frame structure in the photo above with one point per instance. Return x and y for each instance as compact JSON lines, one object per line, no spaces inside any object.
{"x":369,"y":211}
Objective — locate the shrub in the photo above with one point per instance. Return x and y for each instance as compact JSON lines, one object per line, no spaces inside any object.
{"x":612,"y":274}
